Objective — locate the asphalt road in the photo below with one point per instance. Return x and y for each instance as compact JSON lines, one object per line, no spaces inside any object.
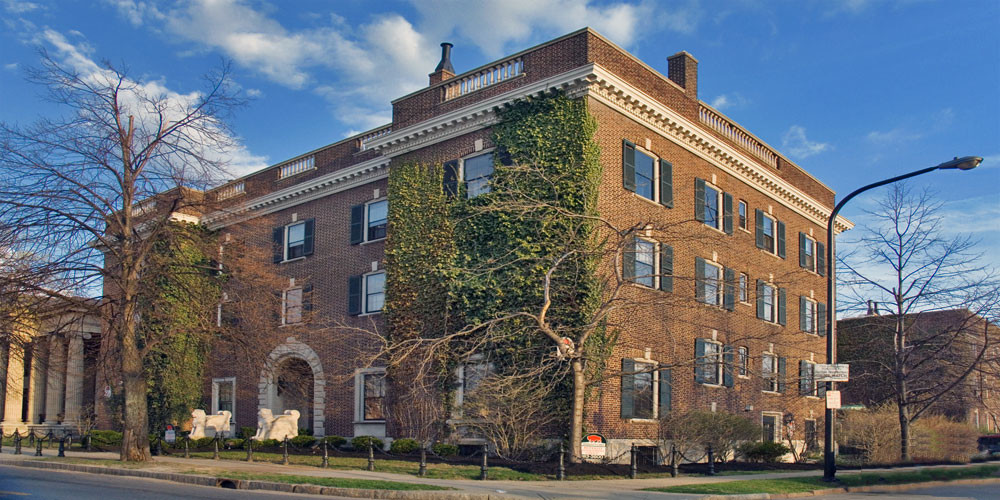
{"x":954,"y":492}
{"x":20,"y":483}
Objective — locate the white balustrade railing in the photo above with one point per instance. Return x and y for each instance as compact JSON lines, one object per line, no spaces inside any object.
{"x":374,"y":134}
{"x":492,"y":75}
{"x":230,"y":191}
{"x":297,"y":166}
{"x":736,"y":134}
{"x":143,"y":207}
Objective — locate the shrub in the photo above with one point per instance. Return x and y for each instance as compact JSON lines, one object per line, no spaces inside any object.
{"x":696,"y":430}
{"x":935,"y":438}
{"x":932,"y":438}
{"x":266,"y":443}
{"x":305,"y":432}
{"x":248,"y":432}
{"x":361,"y":442}
{"x":302,"y":441}
{"x":444,"y":449}
{"x":106,"y":438}
{"x":404,"y":446}
{"x":234,"y":443}
{"x":335,"y":441}
{"x":764,"y":451}
{"x":873,"y":431}
{"x":202,"y":442}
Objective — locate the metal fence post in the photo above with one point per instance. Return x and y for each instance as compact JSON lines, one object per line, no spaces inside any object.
{"x":90,"y":439}
{"x":284,"y":451}
{"x":187,"y":447}
{"x":249,"y":443}
{"x":38,"y":447}
{"x":62,"y":447}
{"x":633,"y":470}
{"x":422,"y":471}
{"x":1,"y":440}
{"x":215,"y":449}
{"x":561,"y":473}
{"x":371,"y":455}
{"x":711,"y":461}
{"x":674,"y":466}
{"x":17,"y":442}
{"x":484,"y":471}
{"x":326,"y":454}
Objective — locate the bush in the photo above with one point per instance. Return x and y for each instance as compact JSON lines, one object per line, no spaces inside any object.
{"x":305,"y":432}
{"x":248,"y":432}
{"x":266,"y":443}
{"x":404,"y":446}
{"x":764,"y":451}
{"x":936,"y":438}
{"x":361,"y":442}
{"x":106,"y":438}
{"x":234,"y":443}
{"x":873,"y":431}
{"x":335,"y":441}
{"x":302,"y":441}
{"x":932,"y":438}
{"x":696,"y":430}
{"x":202,"y":442}
{"x":444,"y":449}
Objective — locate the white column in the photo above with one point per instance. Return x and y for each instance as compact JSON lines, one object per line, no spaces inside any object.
{"x":56,"y":380}
{"x":36,"y":380}
{"x":74,"y":379}
{"x":15,"y":386}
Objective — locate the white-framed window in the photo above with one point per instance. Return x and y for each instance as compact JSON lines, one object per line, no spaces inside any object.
{"x":713,"y":206}
{"x":744,"y":283}
{"x":771,"y":372}
{"x":476,"y":173}
{"x":291,"y":306}
{"x":768,"y":229}
{"x":643,"y":259}
{"x":770,"y":299}
{"x":224,"y":396}
{"x":469,"y":376}
{"x":710,"y":364}
{"x":709,"y":285}
{"x":376,"y":219}
{"x":295,"y":240}
{"x":374,"y":292}
{"x":807,"y":316}
{"x":809,"y":253}
{"x":645,"y":393}
{"x":770,"y":424}
{"x":646,"y":175}
{"x":807,"y":379}
{"x":743,"y":215}
{"x":369,"y":395}
{"x":743,"y":361}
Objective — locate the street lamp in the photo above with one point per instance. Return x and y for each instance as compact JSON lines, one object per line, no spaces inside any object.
{"x":964,"y":163}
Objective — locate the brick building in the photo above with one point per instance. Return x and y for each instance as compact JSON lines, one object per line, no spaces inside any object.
{"x":756,"y":320}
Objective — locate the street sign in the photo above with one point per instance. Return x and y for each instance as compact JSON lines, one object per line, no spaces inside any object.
{"x":831,"y":373}
{"x":594,"y":445}
{"x":832,"y":400}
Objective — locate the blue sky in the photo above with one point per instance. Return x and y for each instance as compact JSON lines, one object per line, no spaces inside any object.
{"x":852,"y":90}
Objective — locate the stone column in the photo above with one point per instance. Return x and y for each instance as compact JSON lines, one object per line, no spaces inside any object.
{"x":15,"y":387}
{"x":36,"y":380}
{"x":56,"y":380}
{"x":74,"y":379}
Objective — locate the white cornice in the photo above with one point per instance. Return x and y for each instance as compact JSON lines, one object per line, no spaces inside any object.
{"x":325,"y":185}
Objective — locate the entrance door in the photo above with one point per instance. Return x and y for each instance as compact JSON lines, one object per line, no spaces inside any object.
{"x":294,"y":390}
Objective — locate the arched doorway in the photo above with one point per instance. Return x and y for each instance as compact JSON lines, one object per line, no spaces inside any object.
{"x":293,"y":380}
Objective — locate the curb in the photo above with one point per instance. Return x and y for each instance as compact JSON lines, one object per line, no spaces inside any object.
{"x":250,"y":484}
{"x":851,"y":489}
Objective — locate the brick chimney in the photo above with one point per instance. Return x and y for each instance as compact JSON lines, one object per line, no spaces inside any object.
{"x":682,"y":68}
{"x":444,"y":69}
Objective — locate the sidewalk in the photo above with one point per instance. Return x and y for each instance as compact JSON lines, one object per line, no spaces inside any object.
{"x":619,"y":489}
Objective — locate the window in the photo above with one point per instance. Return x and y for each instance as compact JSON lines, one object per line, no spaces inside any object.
{"x":773,"y":372}
{"x":374,"y":292}
{"x":712,"y":206}
{"x":807,"y":379}
{"x":373,"y":396}
{"x":770,"y":303}
{"x":812,"y":254}
{"x":770,"y":425}
{"x":812,"y":316}
{"x":647,"y":176}
{"x":812,"y":443}
{"x":709,"y":363}
{"x":645,"y":390}
{"x":291,"y":306}
{"x":770,"y":234}
{"x":744,"y":361}
{"x":378,"y":213}
{"x":743,"y":215}
{"x":708,"y":286}
{"x":470,"y":375}
{"x":224,"y":396}
{"x":477,"y":172}
{"x":743,"y":287}
{"x":641,"y":265}
{"x":294,"y":240}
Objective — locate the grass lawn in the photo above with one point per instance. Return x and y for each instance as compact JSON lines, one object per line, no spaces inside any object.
{"x":336,"y":482}
{"x":804,"y":484}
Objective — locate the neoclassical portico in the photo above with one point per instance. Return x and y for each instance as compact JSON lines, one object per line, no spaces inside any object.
{"x":44,"y":375}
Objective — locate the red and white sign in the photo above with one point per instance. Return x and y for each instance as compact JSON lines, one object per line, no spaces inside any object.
{"x":832,"y":400}
{"x":594,"y":445}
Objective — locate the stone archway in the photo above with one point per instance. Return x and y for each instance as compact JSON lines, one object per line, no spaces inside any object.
{"x":288,"y":360}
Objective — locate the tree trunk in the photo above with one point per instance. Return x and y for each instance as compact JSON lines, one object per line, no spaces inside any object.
{"x":135,"y":438}
{"x":904,"y":434}
{"x":576,"y":426}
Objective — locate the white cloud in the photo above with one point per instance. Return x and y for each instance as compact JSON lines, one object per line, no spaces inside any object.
{"x":894,"y":136}
{"x":10,"y":66}
{"x":135,"y":11}
{"x":795,"y":142}
{"x":254,"y":93}
{"x":734,"y":100}
{"x":936,"y":122}
{"x":17,"y":7}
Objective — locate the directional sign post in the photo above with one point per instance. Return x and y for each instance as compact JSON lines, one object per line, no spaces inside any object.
{"x":831,"y":373}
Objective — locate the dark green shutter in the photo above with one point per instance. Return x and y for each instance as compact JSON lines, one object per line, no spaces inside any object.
{"x":821,"y":389}
{"x":781,"y":306}
{"x":804,"y":388}
{"x":729,"y":290}
{"x":354,"y":295}
{"x":820,"y":259}
{"x":802,"y":251}
{"x":803,"y":304}
{"x":699,"y":361}
{"x":628,"y":261}
{"x":307,"y":300}
{"x":699,"y":199}
{"x":628,"y":388}
{"x":781,"y":374}
{"x":357,"y":224}
{"x":759,"y":227}
{"x":450,"y":179}
{"x":781,"y":239}
{"x":821,"y":319}
{"x":727,"y":366}
{"x":666,"y":395}
{"x":727,"y":213}
{"x":699,"y":279}
{"x":307,"y":244}
{"x":666,"y":268}
{"x":279,"y":244}
{"x":628,"y":165}
{"x":666,"y":184}
{"x":760,"y":299}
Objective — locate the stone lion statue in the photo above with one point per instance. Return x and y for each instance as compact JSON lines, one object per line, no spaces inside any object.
{"x":280,"y":427}
{"x":218,"y":424}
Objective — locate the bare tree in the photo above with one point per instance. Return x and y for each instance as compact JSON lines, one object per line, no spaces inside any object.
{"x":905,"y":263}
{"x":97,"y":188}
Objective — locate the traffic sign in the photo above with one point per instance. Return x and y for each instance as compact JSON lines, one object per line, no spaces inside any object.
{"x":831,"y":373}
{"x":832,"y":400}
